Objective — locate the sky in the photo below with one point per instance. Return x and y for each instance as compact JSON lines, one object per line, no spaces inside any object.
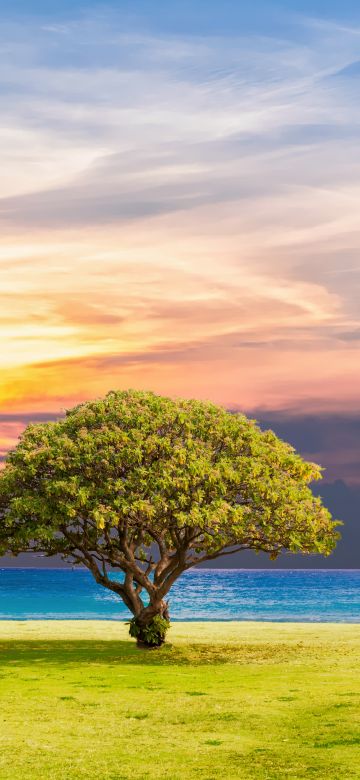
{"x":179,"y":211}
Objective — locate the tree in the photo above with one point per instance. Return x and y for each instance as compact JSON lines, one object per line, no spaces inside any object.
{"x":152,"y":486}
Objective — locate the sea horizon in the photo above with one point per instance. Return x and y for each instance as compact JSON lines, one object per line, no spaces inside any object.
{"x":277,"y":595}
{"x":199,"y":569}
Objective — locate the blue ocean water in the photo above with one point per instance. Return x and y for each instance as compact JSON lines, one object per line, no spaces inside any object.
{"x":202,"y":594}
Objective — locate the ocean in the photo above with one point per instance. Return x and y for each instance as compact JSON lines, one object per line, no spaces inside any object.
{"x":202,"y":594}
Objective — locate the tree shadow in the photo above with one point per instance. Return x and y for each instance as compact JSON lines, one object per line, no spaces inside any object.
{"x":80,"y":651}
{"x":107,"y":652}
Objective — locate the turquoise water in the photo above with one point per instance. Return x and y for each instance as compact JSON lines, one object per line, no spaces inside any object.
{"x":203,"y":594}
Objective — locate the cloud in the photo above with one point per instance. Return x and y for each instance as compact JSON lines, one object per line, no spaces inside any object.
{"x":119,"y":122}
{"x":333,"y":440}
{"x":178,"y":211}
{"x":352,"y":70}
{"x":350,"y":335}
{"x":83,"y":313}
{"x":27,"y":417}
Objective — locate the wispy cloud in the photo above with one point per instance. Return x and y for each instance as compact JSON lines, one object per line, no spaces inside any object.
{"x":314,"y":436}
{"x":179,"y":211}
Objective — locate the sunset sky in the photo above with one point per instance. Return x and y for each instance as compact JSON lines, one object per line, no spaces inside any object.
{"x":180,"y":207}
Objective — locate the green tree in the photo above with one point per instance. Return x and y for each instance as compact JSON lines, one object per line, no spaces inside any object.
{"x":152,"y":486}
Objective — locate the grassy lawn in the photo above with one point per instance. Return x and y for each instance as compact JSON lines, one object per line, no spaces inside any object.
{"x":221,"y":700}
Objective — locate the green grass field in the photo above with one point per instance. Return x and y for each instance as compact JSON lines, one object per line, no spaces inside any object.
{"x":221,"y":700}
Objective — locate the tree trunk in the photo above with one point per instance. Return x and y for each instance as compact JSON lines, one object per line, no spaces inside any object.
{"x":151,"y":625}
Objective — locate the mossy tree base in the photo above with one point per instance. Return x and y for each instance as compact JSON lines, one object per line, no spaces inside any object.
{"x":150,"y":634}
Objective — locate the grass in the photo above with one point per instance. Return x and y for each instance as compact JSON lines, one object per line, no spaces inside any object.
{"x":221,"y":700}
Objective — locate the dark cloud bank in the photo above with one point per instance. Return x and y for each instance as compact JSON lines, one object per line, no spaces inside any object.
{"x":310,"y":434}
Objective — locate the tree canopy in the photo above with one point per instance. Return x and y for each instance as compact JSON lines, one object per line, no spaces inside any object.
{"x":152,"y":486}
